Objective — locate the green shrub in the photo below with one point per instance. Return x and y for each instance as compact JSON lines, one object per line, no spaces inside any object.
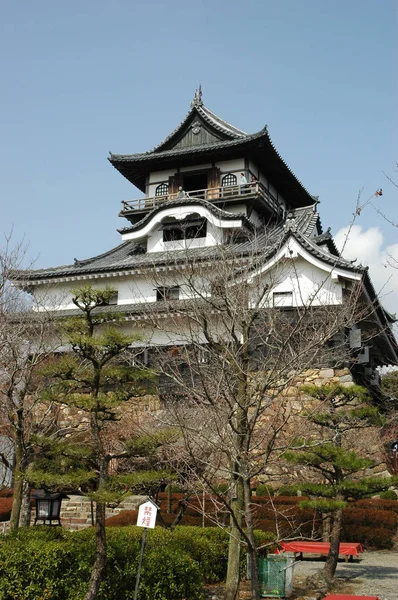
{"x":222,"y":488}
{"x":38,"y":569}
{"x":175,"y":488}
{"x":50,"y":563}
{"x":44,"y":563}
{"x":265,"y":490}
{"x":169,"y":575}
{"x":286,"y":490}
{"x":388,"y":495}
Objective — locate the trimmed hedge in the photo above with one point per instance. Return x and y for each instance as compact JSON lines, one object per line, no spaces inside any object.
{"x":50,"y":563}
{"x":283,"y":514}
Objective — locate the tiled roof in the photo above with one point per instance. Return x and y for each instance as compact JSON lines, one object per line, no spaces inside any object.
{"x":218,"y":212}
{"x":128,"y":257}
{"x":230,"y":141}
{"x":221,"y":145}
{"x":304,"y":219}
{"x":200,"y":110}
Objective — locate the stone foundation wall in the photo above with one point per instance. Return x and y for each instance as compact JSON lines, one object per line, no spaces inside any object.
{"x":366,"y":441}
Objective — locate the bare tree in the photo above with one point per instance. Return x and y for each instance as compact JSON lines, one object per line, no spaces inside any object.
{"x":27,"y":337}
{"x":235,"y":348}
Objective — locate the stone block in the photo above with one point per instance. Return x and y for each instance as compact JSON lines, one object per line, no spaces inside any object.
{"x":342,"y":372}
{"x":346,"y":378}
{"x":326,"y":373}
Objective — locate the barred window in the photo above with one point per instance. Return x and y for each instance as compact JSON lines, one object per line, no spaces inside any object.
{"x":162,"y":190}
{"x":167,"y":293}
{"x":229,"y":179}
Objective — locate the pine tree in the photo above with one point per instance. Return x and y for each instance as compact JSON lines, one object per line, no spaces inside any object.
{"x":338,"y":411}
{"x":97,"y":379}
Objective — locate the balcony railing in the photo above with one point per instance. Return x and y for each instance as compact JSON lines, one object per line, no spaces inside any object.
{"x":215,"y":194}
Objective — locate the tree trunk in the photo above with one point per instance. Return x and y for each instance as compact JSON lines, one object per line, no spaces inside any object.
{"x":326,"y":527}
{"x":251,"y":550}
{"x":169,"y":498}
{"x":26,"y":512}
{"x":98,"y":569}
{"x":233,"y":575}
{"x":329,"y":569}
{"x":18,"y":488}
{"x":232,"y":581}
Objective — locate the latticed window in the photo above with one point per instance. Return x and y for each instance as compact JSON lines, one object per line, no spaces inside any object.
{"x":162,"y":190}
{"x":167,"y":293}
{"x":229,"y":179}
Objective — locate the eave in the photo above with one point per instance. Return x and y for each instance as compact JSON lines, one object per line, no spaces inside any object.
{"x":258,"y":147}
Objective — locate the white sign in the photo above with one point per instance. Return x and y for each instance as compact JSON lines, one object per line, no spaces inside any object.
{"x":147,"y":515}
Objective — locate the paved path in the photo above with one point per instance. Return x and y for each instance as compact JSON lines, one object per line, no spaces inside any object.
{"x":372,"y":573}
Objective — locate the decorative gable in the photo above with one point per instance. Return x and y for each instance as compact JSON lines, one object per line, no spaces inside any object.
{"x":197,"y":134}
{"x":200,"y":127}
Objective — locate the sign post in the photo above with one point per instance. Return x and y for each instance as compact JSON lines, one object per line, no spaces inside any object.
{"x":146,"y":519}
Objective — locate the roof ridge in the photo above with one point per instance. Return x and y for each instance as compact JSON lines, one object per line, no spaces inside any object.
{"x":337,"y":261}
{"x":167,"y":138}
{"x":228,"y":128}
{"x":86,"y":261}
{"x":199,"y":108}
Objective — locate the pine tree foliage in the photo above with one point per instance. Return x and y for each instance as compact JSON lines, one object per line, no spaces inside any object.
{"x":96,"y":379}
{"x":336,"y":413}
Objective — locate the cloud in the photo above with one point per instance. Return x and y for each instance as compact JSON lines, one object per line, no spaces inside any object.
{"x":367,"y":246}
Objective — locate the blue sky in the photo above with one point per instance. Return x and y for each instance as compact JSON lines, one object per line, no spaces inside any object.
{"x":80,"y":79}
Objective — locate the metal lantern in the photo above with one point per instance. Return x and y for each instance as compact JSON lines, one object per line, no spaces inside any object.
{"x":48,"y":506}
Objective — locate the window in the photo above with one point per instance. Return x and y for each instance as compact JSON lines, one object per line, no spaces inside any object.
{"x":173,"y":234}
{"x":189,"y":230}
{"x":167,"y":293}
{"x":162,"y":190}
{"x":229,"y":179}
{"x":196,"y":229}
{"x":113,"y":298}
{"x":282,"y":299}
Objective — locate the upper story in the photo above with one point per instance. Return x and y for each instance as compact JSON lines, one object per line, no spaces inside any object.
{"x":213,"y":194}
{"x":206,"y":162}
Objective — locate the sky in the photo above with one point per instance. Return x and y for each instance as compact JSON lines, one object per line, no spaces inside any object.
{"x":82,"y":78}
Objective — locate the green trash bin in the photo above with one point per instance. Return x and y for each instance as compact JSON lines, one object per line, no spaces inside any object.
{"x":275,"y":575}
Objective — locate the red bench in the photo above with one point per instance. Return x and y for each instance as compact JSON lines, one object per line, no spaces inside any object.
{"x":347,"y":549}
{"x":350,"y":597}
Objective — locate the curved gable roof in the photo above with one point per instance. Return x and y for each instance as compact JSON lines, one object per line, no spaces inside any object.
{"x":184,"y":202}
{"x":199,"y":114}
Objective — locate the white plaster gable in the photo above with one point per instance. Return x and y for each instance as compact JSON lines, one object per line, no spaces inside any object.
{"x":309,"y":280}
{"x":291,"y":249}
{"x":180,"y":213}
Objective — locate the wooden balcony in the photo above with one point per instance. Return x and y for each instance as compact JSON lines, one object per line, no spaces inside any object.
{"x":218,"y":195}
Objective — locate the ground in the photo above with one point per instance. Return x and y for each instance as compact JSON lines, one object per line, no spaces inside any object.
{"x":372,"y":573}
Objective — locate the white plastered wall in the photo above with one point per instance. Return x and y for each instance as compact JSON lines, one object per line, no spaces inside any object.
{"x":156,"y":178}
{"x":308,"y":284}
